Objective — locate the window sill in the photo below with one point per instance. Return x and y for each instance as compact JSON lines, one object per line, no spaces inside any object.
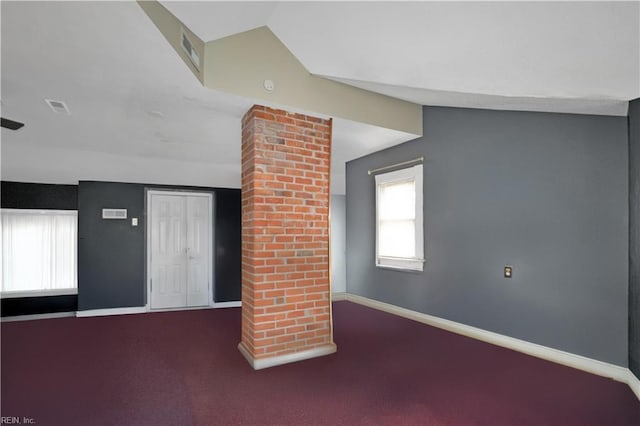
{"x":397,"y":264}
{"x":38,"y":293}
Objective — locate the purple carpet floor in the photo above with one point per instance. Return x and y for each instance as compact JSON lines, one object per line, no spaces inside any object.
{"x":184,"y":368}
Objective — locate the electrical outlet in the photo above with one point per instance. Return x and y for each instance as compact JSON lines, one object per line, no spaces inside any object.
{"x":134,"y":221}
{"x":508,"y":271}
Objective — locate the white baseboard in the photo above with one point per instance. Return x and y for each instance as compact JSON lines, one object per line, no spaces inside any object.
{"x":38,"y":316}
{"x":634,"y":383}
{"x":600,"y":368}
{"x":336,"y":297}
{"x":237,"y":304}
{"x":113,"y":311}
{"x":145,"y":309}
{"x":260,"y":363}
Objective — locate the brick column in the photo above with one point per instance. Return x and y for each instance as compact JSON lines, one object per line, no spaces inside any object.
{"x":286,"y":299}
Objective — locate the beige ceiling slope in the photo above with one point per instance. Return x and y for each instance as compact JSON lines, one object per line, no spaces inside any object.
{"x":241,"y":63}
{"x":171,"y":28}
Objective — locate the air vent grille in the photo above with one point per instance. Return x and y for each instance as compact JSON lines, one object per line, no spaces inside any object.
{"x":114,"y":213}
{"x":58,"y":107}
{"x":191,"y":52}
{"x":10,"y":124}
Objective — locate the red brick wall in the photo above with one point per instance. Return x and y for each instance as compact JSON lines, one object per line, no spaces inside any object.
{"x":286,"y":299}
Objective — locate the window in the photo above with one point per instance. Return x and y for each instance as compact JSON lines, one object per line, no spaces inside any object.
{"x":39,"y":252}
{"x":399,"y":234}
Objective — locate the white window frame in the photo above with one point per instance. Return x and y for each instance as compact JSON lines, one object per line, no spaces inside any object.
{"x":39,"y":293}
{"x":415,"y":263}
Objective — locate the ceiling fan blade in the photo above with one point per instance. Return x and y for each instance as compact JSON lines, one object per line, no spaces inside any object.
{"x":10,"y":124}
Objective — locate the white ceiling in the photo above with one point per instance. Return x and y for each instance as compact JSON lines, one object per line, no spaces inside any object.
{"x":581,"y":57}
{"x":127,"y":93}
{"x":136,"y":109}
{"x":138,"y":114}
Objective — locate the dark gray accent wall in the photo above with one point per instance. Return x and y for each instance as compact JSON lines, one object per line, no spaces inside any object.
{"x":18,"y":306}
{"x":545,"y":193}
{"x":228,"y":245}
{"x":634,"y":237}
{"x":21,"y":195}
{"x":111,"y":253}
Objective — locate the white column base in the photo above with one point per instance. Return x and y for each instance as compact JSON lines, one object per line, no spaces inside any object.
{"x":260,"y":363}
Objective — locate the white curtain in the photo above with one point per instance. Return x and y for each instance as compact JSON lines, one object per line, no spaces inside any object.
{"x":39,"y":250}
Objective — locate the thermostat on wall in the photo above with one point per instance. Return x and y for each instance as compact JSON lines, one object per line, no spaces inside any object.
{"x":114,"y":213}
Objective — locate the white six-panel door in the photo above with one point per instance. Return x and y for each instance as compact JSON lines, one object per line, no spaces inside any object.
{"x":198,"y":251}
{"x":179,"y":249}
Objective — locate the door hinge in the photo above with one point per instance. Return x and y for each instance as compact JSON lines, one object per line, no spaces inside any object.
{"x":151,"y":285}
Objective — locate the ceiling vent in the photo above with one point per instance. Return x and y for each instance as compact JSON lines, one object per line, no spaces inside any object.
{"x":191,"y":52}
{"x":58,"y":107}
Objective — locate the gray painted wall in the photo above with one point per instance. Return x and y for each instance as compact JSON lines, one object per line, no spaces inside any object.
{"x":338,"y":244}
{"x":546,"y":193}
{"x":634,"y":237}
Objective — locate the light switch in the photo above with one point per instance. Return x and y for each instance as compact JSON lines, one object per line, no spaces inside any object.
{"x":134,"y":221}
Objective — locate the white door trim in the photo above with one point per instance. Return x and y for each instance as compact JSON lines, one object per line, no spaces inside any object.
{"x":150,"y":193}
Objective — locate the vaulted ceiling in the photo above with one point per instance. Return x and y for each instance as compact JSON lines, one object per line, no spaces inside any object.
{"x":579,"y":57}
{"x":138,"y":114}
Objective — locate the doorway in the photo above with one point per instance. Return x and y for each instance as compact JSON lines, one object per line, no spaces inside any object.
{"x":179,"y":249}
